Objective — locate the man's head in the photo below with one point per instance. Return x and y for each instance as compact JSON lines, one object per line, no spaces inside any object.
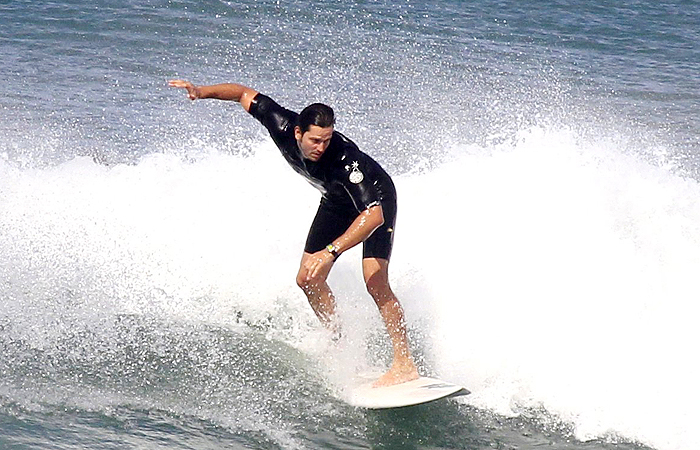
{"x":316,"y":114}
{"x":314,"y":130}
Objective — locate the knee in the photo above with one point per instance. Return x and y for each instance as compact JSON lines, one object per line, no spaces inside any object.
{"x":302,"y":282}
{"x":308,"y":284}
{"x":377,"y":287}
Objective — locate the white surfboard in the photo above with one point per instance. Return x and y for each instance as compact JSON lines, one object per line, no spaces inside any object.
{"x":421,"y":390}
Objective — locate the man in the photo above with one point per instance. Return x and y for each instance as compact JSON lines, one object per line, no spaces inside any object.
{"x":358,"y":205}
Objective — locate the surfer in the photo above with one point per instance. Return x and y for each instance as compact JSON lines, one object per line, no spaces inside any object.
{"x":358,"y":205}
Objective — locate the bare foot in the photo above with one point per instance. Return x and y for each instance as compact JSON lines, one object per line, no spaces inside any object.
{"x":397,"y":375}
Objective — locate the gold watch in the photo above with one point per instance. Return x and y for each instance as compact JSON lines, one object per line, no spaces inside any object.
{"x":333,"y":250}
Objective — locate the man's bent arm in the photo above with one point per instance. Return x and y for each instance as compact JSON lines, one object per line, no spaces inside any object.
{"x":363,"y":226}
{"x":226,"y":91}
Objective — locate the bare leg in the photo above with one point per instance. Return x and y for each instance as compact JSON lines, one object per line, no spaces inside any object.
{"x":319,"y":295}
{"x":376,"y":273}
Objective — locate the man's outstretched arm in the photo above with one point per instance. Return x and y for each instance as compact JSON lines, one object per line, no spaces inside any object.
{"x":226,"y":91}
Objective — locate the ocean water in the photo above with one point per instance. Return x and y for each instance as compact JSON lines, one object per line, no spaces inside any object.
{"x":547,"y":160}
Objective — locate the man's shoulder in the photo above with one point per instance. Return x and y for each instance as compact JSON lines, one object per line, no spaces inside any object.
{"x":344,"y":144}
{"x":346,"y":156}
{"x":271,"y":114}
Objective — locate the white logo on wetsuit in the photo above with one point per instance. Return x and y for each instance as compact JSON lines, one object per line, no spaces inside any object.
{"x":356,"y":176}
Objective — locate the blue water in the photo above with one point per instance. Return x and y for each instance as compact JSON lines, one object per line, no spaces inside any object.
{"x":547,"y":158}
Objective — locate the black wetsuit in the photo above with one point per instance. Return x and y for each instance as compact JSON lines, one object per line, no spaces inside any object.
{"x":349,"y":180}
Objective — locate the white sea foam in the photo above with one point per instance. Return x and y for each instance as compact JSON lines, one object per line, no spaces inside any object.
{"x":562,"y":276}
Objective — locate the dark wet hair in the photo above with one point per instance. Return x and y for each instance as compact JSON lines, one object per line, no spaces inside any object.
{"x":316,"y":114}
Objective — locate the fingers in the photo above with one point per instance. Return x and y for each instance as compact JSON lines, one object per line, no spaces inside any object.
{"x":314,"y":271}
{"x":192,"y":91}
{"x":178,"y":83}
{"x":311,"y":269}
{"x":316,"y":266}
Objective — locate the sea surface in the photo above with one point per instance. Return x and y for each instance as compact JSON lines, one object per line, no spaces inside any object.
{"x":547,"y":160}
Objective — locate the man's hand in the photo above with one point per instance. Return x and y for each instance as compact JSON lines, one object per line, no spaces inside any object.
{"x":193,"y":91}
{"x":318,"y":263}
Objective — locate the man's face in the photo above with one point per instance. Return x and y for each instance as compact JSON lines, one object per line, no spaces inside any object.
{"x":314,"y":142}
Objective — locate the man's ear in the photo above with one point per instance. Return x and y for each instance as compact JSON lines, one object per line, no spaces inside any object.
{"x":297,"y":133}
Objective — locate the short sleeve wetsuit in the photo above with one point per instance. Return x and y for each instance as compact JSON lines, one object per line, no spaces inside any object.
{"x":349,"y":180}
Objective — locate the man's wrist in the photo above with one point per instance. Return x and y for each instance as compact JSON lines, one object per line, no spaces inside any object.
{"x":333,"y":250}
